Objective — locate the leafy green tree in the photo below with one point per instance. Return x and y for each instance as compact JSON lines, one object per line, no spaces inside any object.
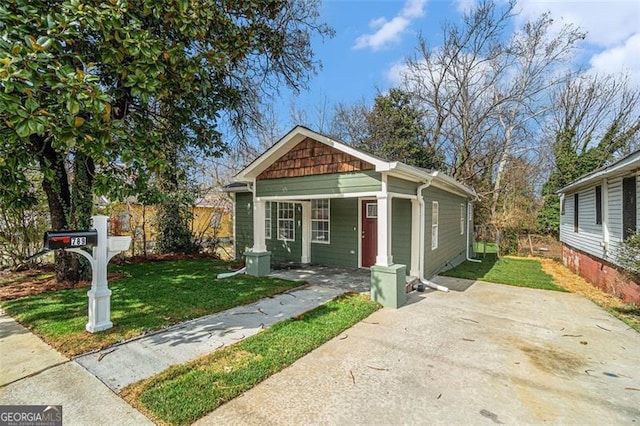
{"x":91,"y":92}
{"x":586,"y":106}
{"x":396,"y":130}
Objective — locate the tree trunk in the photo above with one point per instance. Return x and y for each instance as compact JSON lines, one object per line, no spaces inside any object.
{"x":82,"y":206}
{"x":55,"y":184}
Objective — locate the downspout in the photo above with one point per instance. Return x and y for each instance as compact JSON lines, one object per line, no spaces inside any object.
{"x":469,"y":234}
{"x":423,"y":280}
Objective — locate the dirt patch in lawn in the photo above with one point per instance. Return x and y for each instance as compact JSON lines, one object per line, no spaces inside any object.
{"x":35,"y":281}
{"x":563,"y":277}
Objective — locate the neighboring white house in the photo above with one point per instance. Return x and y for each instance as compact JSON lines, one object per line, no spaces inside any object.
{"x":598,"y":212}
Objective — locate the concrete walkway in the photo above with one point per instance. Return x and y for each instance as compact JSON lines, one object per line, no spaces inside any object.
{"x":121,"y":365}
{"x":33,"y":373}
{"x":483,"y":354}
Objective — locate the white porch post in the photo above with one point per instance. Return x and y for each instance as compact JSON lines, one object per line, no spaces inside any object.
{"x":415,"y":238}
{"x":384,"y":257}
{"x":259,"y":245}
{"x":306,"y":232}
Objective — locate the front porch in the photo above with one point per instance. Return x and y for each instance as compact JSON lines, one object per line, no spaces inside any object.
{"x":357,"y":280}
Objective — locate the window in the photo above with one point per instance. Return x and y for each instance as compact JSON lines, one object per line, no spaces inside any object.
{"x":434,"y":225}
{"x":562,"y":205}
{"x":372,"y":210}
{"x":286,"y":215}
{"x":629,"y":211}
{"x":598,"y":205}
{"x":461,"y":219}
{"x":575,"y":213}
{"x":320,"y":221}
{"x":267,"y":220}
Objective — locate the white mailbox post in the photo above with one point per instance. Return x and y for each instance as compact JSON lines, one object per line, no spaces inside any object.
{"x":100,"y":295}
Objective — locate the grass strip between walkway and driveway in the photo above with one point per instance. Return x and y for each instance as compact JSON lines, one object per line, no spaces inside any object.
{"x":152,"y":296}
{"x":184,"y":393}
{"x":506,"y":270}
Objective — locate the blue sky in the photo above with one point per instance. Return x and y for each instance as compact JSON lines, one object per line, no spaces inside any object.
{"x":374,"y":36}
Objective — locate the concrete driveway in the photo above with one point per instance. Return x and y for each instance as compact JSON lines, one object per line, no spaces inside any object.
{"x":486,"y":354}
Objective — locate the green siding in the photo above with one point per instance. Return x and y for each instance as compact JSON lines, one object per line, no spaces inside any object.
{"x":343,"y":235}
{"x":451,"y":245}
{"x":401,"y":232}
{"x":244,"y":223}
{"x":401,"y":186}
{"x":280,"y":250}
{"x":337,"y":183}
{"x":285,"y":251}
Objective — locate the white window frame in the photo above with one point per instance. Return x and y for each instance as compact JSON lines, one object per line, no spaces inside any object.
{"x":314,"y":222}
{"x":267,"y":220}
{"x":435,"y":212}
{"x":281,"y":209}
{"x":462,"y":216}
{"x":367,"y":214}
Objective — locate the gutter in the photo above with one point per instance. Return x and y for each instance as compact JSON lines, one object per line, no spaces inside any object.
{"x":469,"y":235}
{"x":422,"y":279}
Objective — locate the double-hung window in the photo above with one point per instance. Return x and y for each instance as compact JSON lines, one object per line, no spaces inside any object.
{"x":267,"y":220}
{"x":320,"y":221}
{"x":434,"y":224}
{"x":286,"y":222}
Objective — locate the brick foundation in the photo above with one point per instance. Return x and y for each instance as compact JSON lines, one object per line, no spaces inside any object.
{"x":602,"y":274}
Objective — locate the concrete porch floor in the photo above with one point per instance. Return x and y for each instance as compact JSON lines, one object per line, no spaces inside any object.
{"x":357,"y":280}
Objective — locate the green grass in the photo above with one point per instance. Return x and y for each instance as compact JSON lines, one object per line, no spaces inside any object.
{"x":480,"y":248}
{"x":516,"y":272}
{"x":152,"y":296}
{"x":184,"y":393}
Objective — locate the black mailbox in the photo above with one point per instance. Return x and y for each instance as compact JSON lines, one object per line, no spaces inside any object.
{"x":54,"y":240}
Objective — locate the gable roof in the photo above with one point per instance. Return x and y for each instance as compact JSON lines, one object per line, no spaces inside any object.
{"x":623,"y":166}
{"x":393,"y":168}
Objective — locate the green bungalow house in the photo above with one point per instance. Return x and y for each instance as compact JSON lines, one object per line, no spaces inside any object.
{"x":311,"y":199}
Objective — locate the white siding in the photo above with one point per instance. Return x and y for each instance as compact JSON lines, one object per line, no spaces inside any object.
{"x":615,"y":216}
{"x":590,"y":235}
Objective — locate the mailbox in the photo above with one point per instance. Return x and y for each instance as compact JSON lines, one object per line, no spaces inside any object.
{"x":54,"y":240}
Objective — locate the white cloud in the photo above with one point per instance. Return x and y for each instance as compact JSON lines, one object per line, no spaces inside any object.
{"x":607,"y":23}
{"x":623,"y":58}
{"x":390,"y":31}
{"x":464,"y":6}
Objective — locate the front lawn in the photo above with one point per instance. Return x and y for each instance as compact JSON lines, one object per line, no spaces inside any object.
{"x":151,"y":296}
{"x":516,"y":272}
{"x":184,"y":393}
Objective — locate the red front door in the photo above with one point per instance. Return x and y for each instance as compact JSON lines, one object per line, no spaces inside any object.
{"x":369,"y":232}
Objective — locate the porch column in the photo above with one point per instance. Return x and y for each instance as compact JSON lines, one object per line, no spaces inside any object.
{"x":258,"y":259}
{"x":387,"y":280}
{"x":259,"y":244}
{"x":384,"y":256}
{"x":306,"y":232}
{"x":415,"y":239}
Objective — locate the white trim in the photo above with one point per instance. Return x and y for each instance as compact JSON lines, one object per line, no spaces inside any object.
{"x":233,"y":218}
{"x":415,"y":238}
{"x":606,"y":236}
{"x":293,"y":220}
{"x":394,"y":168}
{"x":294,"y":137}
{"x":435,"y":226}
{"x":259,"y":244}
{"x":462,"y":217}
{"x":328,"y":220}
{"x":268,"y":208}
{"x":384,"y":256}
{"x":622,"y":166}
{"x":306,"y":232}
{"x":283,"y":198}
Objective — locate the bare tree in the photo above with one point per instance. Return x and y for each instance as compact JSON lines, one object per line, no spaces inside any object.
{"x":484,"y":94}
